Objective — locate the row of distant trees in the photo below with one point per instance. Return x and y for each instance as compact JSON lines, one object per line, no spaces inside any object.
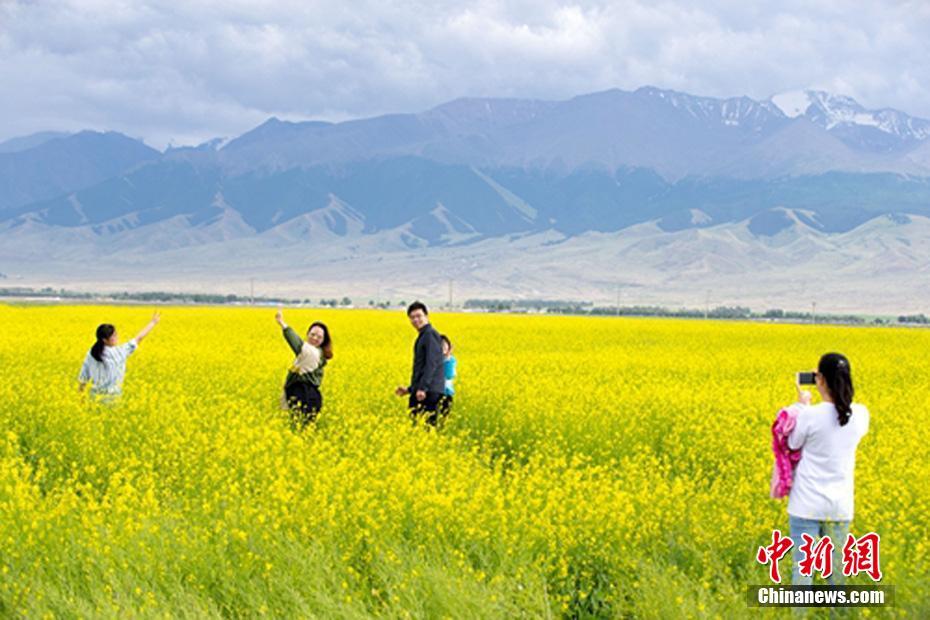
{"x":185,"y":298}
{"x":165,"y":297}
{"x":487,"y":305}
{"x":719,"y":312}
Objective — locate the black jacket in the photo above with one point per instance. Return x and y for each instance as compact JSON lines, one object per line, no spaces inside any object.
{"x":428,"y":373}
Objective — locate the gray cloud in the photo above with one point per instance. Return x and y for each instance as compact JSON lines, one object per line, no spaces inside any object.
{"x":186,"y":72}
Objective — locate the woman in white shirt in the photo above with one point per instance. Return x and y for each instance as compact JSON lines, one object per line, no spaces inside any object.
{"x":821,"y":499}
{"x":105,"y":364}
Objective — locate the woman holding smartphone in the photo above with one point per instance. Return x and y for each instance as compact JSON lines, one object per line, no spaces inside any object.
{"x":820,"y":502}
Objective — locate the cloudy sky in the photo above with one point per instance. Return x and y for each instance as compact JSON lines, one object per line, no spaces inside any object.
{"x":183,"y":72}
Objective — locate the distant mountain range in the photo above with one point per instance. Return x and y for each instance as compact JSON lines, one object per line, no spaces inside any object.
{"x":467,"y":173}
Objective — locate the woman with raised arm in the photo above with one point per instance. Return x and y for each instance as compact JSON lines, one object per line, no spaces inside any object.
{"x":302,"y":394}
{"x":105,"y":364}
{"x":820,"y":502}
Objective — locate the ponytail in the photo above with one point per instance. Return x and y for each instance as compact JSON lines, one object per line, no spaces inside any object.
{"x":834,"y":368}
{"x":103,"y":333}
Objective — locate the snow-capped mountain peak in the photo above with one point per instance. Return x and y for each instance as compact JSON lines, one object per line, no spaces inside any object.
{"x":734,"y":111}
{"x":842,"y":112}
{"x":793,"y":103}
{"x":835,"y":110}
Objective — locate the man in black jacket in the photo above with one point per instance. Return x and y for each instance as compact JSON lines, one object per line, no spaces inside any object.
{"x":428,"y":380}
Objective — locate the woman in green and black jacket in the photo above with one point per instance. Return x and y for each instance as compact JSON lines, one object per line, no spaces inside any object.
{"x":305,"y":376}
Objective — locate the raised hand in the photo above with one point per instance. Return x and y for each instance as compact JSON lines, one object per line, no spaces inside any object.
{"x":156,"y":317}
{"x":804,"y":396}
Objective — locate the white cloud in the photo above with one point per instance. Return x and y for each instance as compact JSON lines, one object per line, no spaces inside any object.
{"x":185,"y":72}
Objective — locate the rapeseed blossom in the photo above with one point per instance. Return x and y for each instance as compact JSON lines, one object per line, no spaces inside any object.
{"x":608,"y":467}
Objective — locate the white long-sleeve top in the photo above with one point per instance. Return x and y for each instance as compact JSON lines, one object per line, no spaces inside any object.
{"x":824,"y":482}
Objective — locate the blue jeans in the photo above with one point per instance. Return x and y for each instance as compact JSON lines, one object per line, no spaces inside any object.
{"x":836,"y":530}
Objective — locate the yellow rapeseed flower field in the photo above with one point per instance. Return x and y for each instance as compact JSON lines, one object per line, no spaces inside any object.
{"x":591,"y":467}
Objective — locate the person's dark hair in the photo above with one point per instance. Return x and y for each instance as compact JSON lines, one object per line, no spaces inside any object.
{"x":103,"y":332}
{"x":417,"y":305}
{"x":327,"y":344}
{"x":834,"y":368}
{"x":445,"y":339}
